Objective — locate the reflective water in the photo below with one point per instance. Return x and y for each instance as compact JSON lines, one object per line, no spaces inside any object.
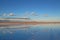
{"x":31,"y":32}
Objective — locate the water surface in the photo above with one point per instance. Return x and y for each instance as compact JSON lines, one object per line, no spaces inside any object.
{"x":30,"y":32}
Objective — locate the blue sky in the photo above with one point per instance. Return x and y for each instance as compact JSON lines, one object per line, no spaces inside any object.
{"x":20,"y":8}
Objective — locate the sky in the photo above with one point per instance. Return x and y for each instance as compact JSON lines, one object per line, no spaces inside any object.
{"x":40,"y":10}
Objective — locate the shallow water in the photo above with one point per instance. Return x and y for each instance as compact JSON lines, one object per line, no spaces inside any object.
{"x":31,"y":32}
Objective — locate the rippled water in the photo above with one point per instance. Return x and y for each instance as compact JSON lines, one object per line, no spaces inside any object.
{"x":30,"y":32}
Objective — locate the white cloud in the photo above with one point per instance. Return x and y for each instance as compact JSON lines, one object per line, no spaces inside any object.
{"x":11,"y":14}
{"x":33,"y":14}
